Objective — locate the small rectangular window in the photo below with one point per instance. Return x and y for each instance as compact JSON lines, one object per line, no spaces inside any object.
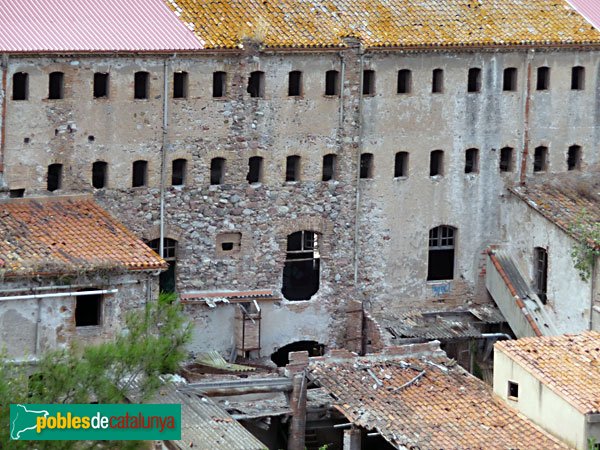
{"x":99,"y":174}
{"x":437,"y":81}
{"x":540,"y":159}
{"x":20,"y":86}
{"x":16,"y":193}
{"x":228,"y":243}
{"x":574,"y":158}
{"x":219,"y":80}
{"x":54,"y":181}
{"x":329,"y":162}
{"x":140,"y":174}
{"x":366,"y":165}
{"x":100,"y":85}
{"x":255,"y":170}
{"x":472,"y":160}
{"x":295,"y":83}
{"x":513,"y":390}
{"x":401,"y":165}
{"x":88,"y":310}
{"x":292,"y":168}
{"x":404,"y":82}
{"x":474,"y":82}
{"x":56,"y":86}
{"x":436,"y":163}
{"x":332,"y":82}
{"x":368,"y":87}
{"x":217,"y":171}
{"x":506,"y":159}
{"x":256,"y":84}
{"x":141,"y":85}
{"x":509,"y":83}
{"x":543,"y":79}
{"x":180,"y":85}
{"x":578,"y":78}
{"x":541,"y":273}
{"x":179,"y":167}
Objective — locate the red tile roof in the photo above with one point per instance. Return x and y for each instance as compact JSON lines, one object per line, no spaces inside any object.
{"x":64,"y":235}
{"x":567,"y":364}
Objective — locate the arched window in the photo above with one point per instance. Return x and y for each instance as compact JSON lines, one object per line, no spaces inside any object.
{"x":441,"y":253}
{"x":99,"y":174}
{"x":167,"y":278}
{"x":302,"y":266}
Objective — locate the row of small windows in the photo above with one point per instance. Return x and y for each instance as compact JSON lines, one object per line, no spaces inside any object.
{"x":256,"y":83}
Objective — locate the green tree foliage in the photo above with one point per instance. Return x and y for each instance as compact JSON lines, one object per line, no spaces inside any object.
{"x":587,"y":248}
{"x":153,"y":344}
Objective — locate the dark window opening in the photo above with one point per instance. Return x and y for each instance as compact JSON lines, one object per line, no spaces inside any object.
{"x":578,"y":78}
{"x":166,"y":280}
{"x":506,"y":159}
{"x":20,"y":86}
{"x":56,"y":85}
{"x":368,"y":87}
{"x":541,"y":273}
{"x":513,"y":389}
{"x":179,"y":167}
{"x":292,"y":168}
{"x":401,"y":165}
{"x":543,"y":78}
{"x":91,"y":138}
{"x":140,"y":173}
{"x":295,"y":83}
{"x":474,"y":82}
{"x":437,"y":81}
{"x":366,"y":165}
{"x":441,"y":254}
{"x":510,"y":79}
{"x":217,"y":171}
{"x":255,"y":169}
{"x":141,"y":85}
{"x":26,"y":140}
{"x":219,"y":79}
{"x":281,"y":356}
{"x":88,"y":310}
{"x":472,"y":160}
{"x":302,"y":266}
{"x":574,"y":158}
{"x":332,"y":82}
{"x":100,"y":85}
{"x":329,"y":163}
{"x":229,"y":244}
{"x":540,"y":159}
{"x":404,"y":82}
{"x":180,"y":85}
{"x":436,"y":163}
{"x":54,"y":181}
{"x":16,"y":193}
{"x":256,"y":84}
{"x":99,"y":174}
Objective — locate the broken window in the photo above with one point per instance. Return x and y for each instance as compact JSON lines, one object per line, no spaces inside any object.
{"x":88,"y":310}
{"x":141,"y":85}
{"x":180,"y":85}
{"x":541,"y":273}
{"x":16,"y":193}
{"x":20,"y":86}
{"x":506,"y":159}
{"x":217,"y":171}
{"x":368,"y":87}
{"x":332,"y":82}
{"x":54,"y":181}
{"x":540,"y":159}
{"x":140,"y":173}
{"x":166,"y":280}
{"x":441,"y":253}
{"x":474,"y":81}
{"x":509,"y":83}
{"x":256,"y":84}
{"x":574,"y":158}
{"x":404,"y":81}
{"x":513,"y":390}
{"x":292,"y":168}
{"x":543,"y":79}
{"x":229,"y":243}
{"x":100,"y":85}
{"x":99,"y":174}
{"x":366,"y":165}
{"x":472,"y":160}
{"x":329,"y":163}
{"x":295,"y":84}
{"x":578,"y":78}
{"x":436,"y":163}
{"x":56,"y":82}
{"x":437,"y":81}
{"x":401,"y":164}
{"x":179,"y":167}
{"x":302,"y":263}
{"x":219,"y":79}
{"x":255,"y":169}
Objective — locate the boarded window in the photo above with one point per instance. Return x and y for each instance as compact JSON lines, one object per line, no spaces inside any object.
{"x":292,"y":168}
{"x":441,"y":253}
{"x":401,"y":164}
{"x":332,"y":82}
{"x":217,"y":171}
{"x":302,"y":266}
{"x":179,"y":168}
{"x":255,"y":169}
{"x":295,"y":83}
{"x":88,"y":310}
{"x":541,"y":273}
{"x":20,"y":86}
{"x":141,"y":85}
{"x":329,"y":167}
{"x":368,"y":87}
{"x":404,"y":81}
{"x":101,"y":85}
{"x":543,"y":79}
{"x":574,"y":158}
{"x":219,"y":86}
{"x":436,"y":163}
{"x":578,"y":78}
{"x":180,"y":85}
{"x":474,"y":81}
{"x":56,"y":85}
{"x":540,"y":159}
{"x":55,"y":174}
{"x":366,"y":165}
{"x":167,"y":277}
{"x":472,"y":160}
{"x":437,"y":81}
{"x":140,"y":173}
{"x":509,"y":83}
{"x":256,"y":84}
{"x":99,"y":174}
{"x":506,"y":159}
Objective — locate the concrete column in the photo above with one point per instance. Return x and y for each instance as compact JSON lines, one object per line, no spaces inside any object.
{"x":352,"y":438}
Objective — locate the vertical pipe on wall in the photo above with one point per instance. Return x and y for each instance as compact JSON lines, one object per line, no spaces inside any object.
{"x":3,"y":119}
{"x":37,"y":326}
{"x":358,"y":153}
{"x":526,"y":113}
{"x":163,"y":151}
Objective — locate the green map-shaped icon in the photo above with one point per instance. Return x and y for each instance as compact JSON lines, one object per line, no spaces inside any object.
{"x":23,"y":419}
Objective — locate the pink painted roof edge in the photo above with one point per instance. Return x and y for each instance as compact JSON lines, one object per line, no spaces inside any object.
{"x":589,"y":9}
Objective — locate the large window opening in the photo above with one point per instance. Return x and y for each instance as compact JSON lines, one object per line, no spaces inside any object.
{"x":366,"y":165}
{"x":88,"y":310}
{"x":472,"y":160}
{"x":100,"y":85}
{"x":180,"y":85}
{"x":404,"y":81}
{"x":217,"y":171}
{"x":55,"y":173}
{"x":510,"y":79}
{"x":368,"y":87}
{"x":543,"y":79}
{"x":302,"y":266}
{"x":20,"y":86}
{"x":281,"y":356}
{"x":474,"y":82}
{"x":574,"y":158}
{"x":166,"y":279}
{"x":441,"y":253}
{"x":256,"y":84}
{"x":540,"y":159}
{"x":140,"y":173}
{"x":329,"y":163}
{"x":295,"y":84}
{"x":56,"y":84}
{"x":141,"y":86}
{"x":506,"y":159}
{"x":99,"y":174}
{"x":179,"y":169}
{"x":332,"y":82}
{"x":437,"y":81}
{"x":255,"y":169}
{"x":292,"y":168}
{"x":219,"y":79}
{"x":401,"y":165}
{"x":436,"y":163}
{"x":578,"y":78}
{"x":541,"y":273}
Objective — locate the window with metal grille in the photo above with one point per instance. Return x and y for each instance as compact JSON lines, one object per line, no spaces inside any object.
{"x":541,"y":273}
{"x":441,"y":253}
{"x":302,"y":266}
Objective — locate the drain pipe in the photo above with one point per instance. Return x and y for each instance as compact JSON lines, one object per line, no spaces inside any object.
{"x":58,"y":294}
{"x":3,"y":119}
{"x":342,"y":78}
{"x":37,"y":326}
{"x":593,"y":290}
{"x":163,"y":152}
{"x":526,"y":113}
{"x":359,"y":151}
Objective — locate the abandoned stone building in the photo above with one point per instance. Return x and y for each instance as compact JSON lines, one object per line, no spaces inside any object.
{"x":310,"y":170}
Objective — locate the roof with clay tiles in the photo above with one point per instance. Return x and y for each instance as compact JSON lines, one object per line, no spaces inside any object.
{"x":222,"y":24}
{"x":64,"y":235}
{"x":567,"y":364}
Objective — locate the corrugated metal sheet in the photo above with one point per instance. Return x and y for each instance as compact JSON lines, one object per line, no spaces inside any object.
{"x":590,"y":9}
{"x":92,"y":26}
